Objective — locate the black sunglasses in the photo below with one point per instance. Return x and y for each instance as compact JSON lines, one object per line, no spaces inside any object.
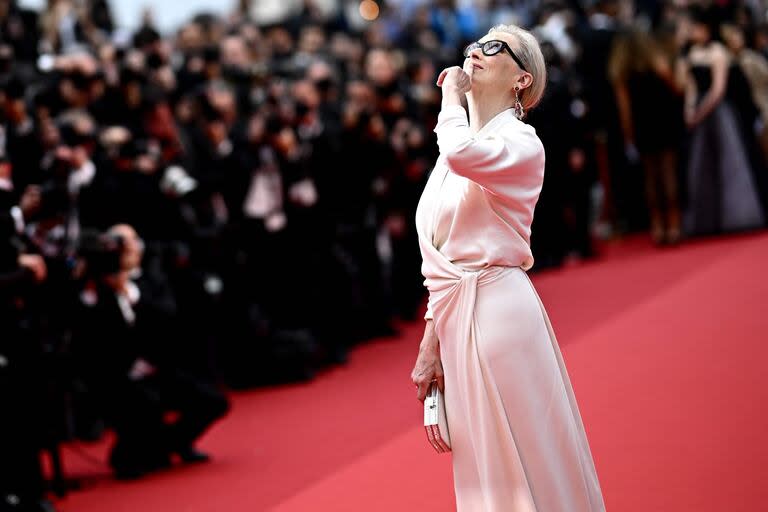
{"x":493,"y":47}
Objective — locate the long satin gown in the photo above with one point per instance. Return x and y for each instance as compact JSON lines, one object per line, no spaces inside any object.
{"x":518,"y":441}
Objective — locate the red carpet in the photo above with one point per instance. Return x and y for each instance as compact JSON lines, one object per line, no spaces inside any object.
{"x":666,"y":350}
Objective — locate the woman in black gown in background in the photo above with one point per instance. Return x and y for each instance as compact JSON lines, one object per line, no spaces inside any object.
{"x":722,"y":194}
{"x":649,"y":99}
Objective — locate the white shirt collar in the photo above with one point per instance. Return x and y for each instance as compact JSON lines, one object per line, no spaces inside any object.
{"x":127,"y":300}
{"x":81,"y":177}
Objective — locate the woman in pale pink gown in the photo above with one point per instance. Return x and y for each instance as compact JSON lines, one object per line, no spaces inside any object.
{"x":518,"y":441}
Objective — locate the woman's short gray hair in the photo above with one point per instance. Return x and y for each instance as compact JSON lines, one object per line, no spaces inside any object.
{"x":530,"y":54}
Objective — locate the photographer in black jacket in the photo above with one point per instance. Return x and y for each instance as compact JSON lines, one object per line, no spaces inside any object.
{"x":21,"y":481}
{"x":122,"y":324}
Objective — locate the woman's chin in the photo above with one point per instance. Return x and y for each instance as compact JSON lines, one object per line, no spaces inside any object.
{"x":480,"y":81}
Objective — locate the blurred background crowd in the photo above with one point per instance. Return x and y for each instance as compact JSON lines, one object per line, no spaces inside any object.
{"x":231,"y":203}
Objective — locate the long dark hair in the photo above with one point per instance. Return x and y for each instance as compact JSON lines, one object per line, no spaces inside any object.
{"x":708,"y":17}
{"x":633,"y":52}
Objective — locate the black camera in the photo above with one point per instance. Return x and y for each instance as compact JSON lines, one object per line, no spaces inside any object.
{"x":55,"y":201}
{"x":72,"y":137}
{"x":101,"y":253}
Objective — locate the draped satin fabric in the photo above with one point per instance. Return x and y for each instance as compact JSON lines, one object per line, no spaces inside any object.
{"x":518,"y":442}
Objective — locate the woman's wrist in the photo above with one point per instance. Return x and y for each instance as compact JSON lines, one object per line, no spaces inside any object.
{"x":452,"y":96}
{"x":431,"y":347}
{"x":429,"y":341}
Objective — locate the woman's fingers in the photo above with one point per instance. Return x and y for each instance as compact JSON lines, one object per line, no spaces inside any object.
{"x":421,"y":392}
{"x":444,"y":74}
{"x":428,"y":367}
{"x":422,"y":378}
{"x":457,"y":77}
{"x":442,"y":77}
{"x":468,"y":68}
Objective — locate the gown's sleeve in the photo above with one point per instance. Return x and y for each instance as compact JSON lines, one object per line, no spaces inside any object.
{"x":496,"y":158}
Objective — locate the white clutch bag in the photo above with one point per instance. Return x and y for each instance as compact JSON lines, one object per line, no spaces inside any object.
{"x":435,"y":421}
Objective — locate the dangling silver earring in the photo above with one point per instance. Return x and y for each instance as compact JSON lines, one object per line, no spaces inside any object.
{"x":519,"y":110}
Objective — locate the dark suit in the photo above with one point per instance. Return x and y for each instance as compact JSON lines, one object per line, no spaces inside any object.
{"x":20,"y":429}
{"x":107,"y":347}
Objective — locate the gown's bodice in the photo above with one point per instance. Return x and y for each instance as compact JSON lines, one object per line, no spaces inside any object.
{"x":477,"y":207}
{"x":702,"y":76}
{"x":738,"y":92}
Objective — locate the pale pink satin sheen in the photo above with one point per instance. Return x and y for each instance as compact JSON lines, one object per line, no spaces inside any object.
{"x":518,"y":441}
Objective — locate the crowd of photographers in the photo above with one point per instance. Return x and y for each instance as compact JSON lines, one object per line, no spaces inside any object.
{"x":233,"y":203}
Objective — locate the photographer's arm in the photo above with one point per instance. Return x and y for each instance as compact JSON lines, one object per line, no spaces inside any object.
{"x":31,"y":269}
{"x":14,"y":281}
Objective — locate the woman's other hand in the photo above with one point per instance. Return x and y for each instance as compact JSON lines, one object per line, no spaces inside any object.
{"x":428,"y":366}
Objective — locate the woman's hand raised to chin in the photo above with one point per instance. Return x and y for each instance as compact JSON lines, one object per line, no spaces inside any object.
{"x":456,"y":79}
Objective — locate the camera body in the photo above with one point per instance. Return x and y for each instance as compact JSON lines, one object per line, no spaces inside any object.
{"x":101,"y":252}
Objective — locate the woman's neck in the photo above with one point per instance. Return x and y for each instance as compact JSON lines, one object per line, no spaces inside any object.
{"x":484,"y":106}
